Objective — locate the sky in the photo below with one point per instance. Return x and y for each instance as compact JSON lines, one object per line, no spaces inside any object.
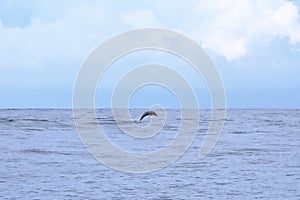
{"x":255,"y":46}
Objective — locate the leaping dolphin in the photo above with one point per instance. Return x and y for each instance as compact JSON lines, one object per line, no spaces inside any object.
{"x":147,"y":113}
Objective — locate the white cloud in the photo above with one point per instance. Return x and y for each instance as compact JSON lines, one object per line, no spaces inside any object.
{"x":63,"y":42}
{"x":234,"y":26}
{"x":229,"y":28}
{"x":140,"y":18}
{"x":286,"y":21}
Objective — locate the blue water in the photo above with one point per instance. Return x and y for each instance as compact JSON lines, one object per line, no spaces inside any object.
{"x":257,"y":156}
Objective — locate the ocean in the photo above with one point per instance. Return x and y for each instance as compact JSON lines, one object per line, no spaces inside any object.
{"x":257,"y":156}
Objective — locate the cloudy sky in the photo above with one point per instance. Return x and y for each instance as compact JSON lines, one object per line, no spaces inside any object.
{"x":255,"y":45}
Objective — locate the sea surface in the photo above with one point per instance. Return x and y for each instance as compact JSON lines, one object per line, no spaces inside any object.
{"x":257,"y":156}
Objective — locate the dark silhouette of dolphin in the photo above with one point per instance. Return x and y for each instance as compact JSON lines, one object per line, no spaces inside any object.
{"x":147,"y":113}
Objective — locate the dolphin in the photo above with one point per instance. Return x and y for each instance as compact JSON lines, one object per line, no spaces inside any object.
{"x":147,"y":113}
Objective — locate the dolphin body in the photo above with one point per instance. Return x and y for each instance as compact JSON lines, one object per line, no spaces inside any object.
{"x":147,"y":113}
